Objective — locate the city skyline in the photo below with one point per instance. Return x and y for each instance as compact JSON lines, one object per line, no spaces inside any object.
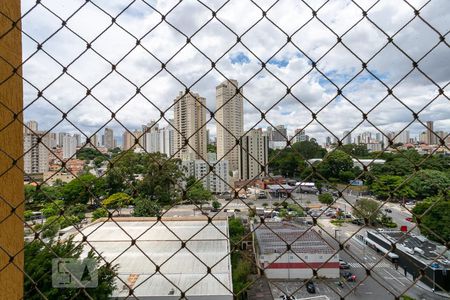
{"x":264,"y":87}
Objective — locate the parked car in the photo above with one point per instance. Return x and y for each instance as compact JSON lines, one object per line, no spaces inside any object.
{"x":286,"y":297}
{"x":310,"y":287}
{"x":409,"y":219}
{"x":388,"y":210}
{"x":348,"y":276}
{"x":358,"y":221}
{"x":343,"y":264}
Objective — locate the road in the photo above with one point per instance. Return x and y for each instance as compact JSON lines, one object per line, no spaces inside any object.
{"x":385,"y":281}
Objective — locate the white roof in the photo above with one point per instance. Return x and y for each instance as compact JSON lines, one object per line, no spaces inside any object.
{"x":159,"y":244}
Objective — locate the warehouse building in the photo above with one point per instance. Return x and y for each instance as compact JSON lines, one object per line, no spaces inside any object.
{"x":308,"y":252}
{"x":179,"y":270}
{"x":416,"y":255}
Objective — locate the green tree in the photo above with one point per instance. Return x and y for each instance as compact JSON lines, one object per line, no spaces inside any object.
{"x":242,"y":268}
{"x":53,"y":208}
{"x":146,"y":208}
{"x":334,"y":164}
{"x":309,"y":149}
{"x":354,"y":150}
{"x":82,"y":189}
{"x":326,"y":198}
{"x":434,"y":214}
{"x":427,"y":183}
{"x":216,"y":205}
{"x":211,"y":148}
{"x":35,"y":198}
{"x":117,"y":201}
{"x":295,"y":210}
{"x":161,"y":176}
{"x":290,"y":161}
{"x":89,"y":154}
{"x":237,"y":230}
{"x":54,"y":224}
{"x":196,"y":192}
{"x":387,"y":185}
{"x":38,"y":267}
{"x":77,"y":210}
{"x":366,"y":209}
{"x":99,"y":213}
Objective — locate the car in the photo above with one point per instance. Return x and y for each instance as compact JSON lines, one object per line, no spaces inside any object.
{"x":286,"y":297}
{"x":409,"y":219}
{"x":329,"y":214}
{"x":388,"y":210}
{"x":310,"y":287}
{"x":343,"y":264}
{"x":348,"y":276}
{"x":358,"y":221}
{"x":237,"y":210}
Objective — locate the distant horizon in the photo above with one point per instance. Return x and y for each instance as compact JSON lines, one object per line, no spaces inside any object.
{"x":354,"y":134}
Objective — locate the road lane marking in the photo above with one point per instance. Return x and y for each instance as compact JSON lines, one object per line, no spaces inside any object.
{"x":393,"y":277}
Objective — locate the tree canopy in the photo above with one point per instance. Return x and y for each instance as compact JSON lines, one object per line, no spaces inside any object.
{"x":434,"y":214}
{"x":427,"y":183}
{"x":366,"y":209}
{"x":146,"y":208}
{"x":38,"y":267}
{"x":392,"y":185}
{"x":290,"y":161}
{"x":326,"y":198}
{"x":336,"y":166}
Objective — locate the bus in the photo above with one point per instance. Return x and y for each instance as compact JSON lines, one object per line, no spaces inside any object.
{"x":306,"y":187}
{"x":392,"y":257}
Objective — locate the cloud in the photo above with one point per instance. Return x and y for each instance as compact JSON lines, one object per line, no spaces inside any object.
{"x":107,"y":62}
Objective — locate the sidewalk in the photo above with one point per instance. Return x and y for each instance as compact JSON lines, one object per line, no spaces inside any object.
{"x":422,"y":285}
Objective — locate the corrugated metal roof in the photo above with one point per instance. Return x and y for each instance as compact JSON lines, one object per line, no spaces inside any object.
{"x":274,"y":237}
{"x":158,"y":244}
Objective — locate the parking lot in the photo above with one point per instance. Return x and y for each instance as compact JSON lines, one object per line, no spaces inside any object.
{"x":327,"y":288}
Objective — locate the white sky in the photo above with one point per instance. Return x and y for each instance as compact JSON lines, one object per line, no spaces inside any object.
{"x":137,"y":67}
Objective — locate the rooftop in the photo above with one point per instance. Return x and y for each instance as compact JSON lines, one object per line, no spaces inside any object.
{"x":159,"y":244}
{"x":274,"y":236}
{"x":410,"y":243}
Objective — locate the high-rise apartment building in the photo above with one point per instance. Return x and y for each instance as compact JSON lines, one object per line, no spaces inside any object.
{"x":53,"y":139}
{"x":166,"y":140}
{"x":32,"y":126}
{"x":402,"y":137}
{"x":279,"y":134}
{"x":69,"y":146}
{"x":253,"y":155}
{"x":60,"y":138}
{"x":151,"y":137}
{"x":108,"y":138}
{"x":230,"y":121}
{"x":93,"y":141}
{"x":36,"y":153}
{"x":300,"y":135}
{"x":127,"y":140}
{"x":189,"y":120}
{"x":215,"y":181}
{"x":77,"y":138}
{"x":431,"y":138}
{"x":347,"y":138}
